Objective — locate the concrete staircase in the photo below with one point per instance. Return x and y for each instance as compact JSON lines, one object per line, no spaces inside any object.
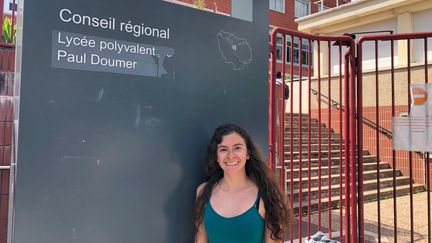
{"x":370,"y":168}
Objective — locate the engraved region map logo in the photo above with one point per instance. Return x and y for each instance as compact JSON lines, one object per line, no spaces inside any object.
{"x":235,"y":51}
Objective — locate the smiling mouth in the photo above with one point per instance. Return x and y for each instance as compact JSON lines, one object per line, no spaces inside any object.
{"x":231,"y":163}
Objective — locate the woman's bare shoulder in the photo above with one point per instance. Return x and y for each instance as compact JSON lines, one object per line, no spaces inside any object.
{"x":200,"y":188}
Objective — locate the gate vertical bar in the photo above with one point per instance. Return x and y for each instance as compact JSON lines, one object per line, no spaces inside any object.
{"x":292,"y":130}
{"x":359,"y":61}
{"x":347,"y":148}
{"x":410,"y":153}
{"x":329,"y":207}
{"x":309,"y":137}
{"x":319,"y":136}
{"x":428,"y":189}
{"x":281,"y":141}
{"x":300,"y":142}
{"x":428,"y":178}
{"x":340,"y":146}
{"x":13,"y":20}
{"x":378,"y":184}
{"x":353,"y":132}
{"x":393,"y":151}
{"x":272,"y":100}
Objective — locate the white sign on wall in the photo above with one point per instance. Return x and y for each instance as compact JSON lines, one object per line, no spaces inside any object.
{"x":414,"y":133}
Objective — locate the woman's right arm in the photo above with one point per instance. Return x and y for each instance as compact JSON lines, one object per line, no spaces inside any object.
{"x":201,"y":236}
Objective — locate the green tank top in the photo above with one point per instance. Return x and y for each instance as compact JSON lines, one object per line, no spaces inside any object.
{"x":247,"y":227}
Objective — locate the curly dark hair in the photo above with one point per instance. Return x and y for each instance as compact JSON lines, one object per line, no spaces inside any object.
{"x":277,"y":211}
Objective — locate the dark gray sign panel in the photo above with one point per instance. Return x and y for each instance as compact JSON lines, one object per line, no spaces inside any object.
{"x":118,"y":100}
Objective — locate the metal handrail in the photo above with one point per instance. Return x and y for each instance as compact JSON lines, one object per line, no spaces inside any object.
{"x":366,"y":121}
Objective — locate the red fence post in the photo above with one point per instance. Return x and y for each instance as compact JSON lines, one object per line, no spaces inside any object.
{"x":272,"y":100}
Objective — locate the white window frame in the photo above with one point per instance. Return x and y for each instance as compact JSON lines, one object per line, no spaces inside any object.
{"x":304,"y":3}
{"x":273,"y":5}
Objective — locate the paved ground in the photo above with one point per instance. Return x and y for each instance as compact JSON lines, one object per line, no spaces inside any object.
{"x":403,"y":218}
{"x":420,"y":233}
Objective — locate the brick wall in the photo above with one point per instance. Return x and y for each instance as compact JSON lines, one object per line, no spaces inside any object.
{"x":296,"y":70}
{"x":283,"y":20}
{"x":7,"y":59}
{"x":287,"y":20}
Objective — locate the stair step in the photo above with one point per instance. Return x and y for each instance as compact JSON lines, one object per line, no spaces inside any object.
{"x":314,"y":140}
{"x":367,"y":186}
{"x":288,"y":115}
{"x":334,"y":169}
{"x":317,"y":153}
{"x":313,"y":118}
{"x":305,"y":129}
{"x":313,"y":147}
{"x":324,"y":161}
{"x":295,"y":114}
{"x":324,"y":135}
{"x":296,"y":124}
{"x":335,"y":178}
{"x":370,"y":195}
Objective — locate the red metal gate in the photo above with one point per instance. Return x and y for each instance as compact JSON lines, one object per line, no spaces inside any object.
{"x":317,"y":176}
{"x":387,"y":66}
{"x":331,"y":141}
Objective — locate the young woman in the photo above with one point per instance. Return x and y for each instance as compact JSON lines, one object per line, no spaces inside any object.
{"x":241,"y":201}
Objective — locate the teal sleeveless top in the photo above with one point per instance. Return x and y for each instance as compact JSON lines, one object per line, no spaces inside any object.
{"x":247,"y":227}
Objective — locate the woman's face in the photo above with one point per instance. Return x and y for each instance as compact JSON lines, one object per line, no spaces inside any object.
{"x":232,"y":153}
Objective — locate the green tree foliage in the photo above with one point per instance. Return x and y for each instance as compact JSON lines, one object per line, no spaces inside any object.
{"x":199,"y":4}
{"x":7,"y":36}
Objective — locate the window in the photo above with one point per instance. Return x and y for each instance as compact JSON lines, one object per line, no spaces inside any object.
{"x":279,"y":47}
{"x":8,"y":6}
{"x":277,"y":5}
{"x":321,"y":8}
{"x":296,"y":54}
{"x":302,"y":8}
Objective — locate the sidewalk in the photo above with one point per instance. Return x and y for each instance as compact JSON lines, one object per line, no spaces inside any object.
{"x":371,"y":221}
{"x":403,"y":218}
